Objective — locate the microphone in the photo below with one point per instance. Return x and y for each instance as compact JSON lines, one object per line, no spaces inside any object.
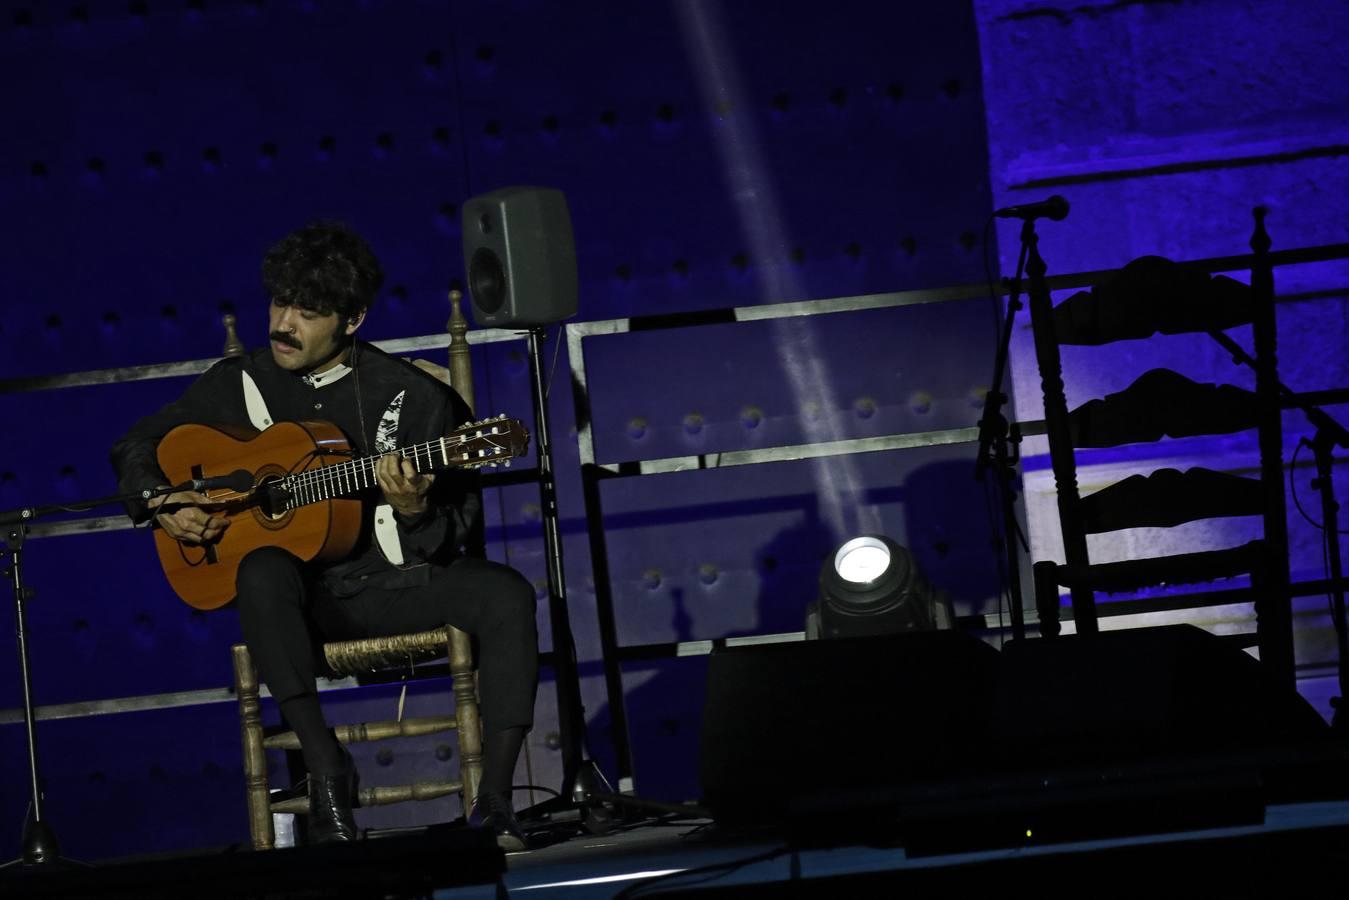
{"x":1055,"y":208}
{"x":240,"y":481}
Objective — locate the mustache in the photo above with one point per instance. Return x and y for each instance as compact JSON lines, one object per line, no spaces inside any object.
{"x":288,"y":340}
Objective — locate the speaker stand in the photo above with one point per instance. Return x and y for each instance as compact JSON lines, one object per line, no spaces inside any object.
{"x":581,"y":778}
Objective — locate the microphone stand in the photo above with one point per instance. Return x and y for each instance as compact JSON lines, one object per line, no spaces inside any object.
{"x":1323,"y":446}
{"x":999,"y":445}
{"x":40,"y":846}
{"x":1329,"y":434}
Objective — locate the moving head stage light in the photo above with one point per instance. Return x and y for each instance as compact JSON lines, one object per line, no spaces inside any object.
{"x":871,"y":585}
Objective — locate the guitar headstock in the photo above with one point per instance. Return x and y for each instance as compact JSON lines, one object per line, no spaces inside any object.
{"x":489,"y":442}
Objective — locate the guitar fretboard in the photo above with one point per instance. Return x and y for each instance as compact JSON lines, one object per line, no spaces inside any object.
{"x":341,"y":479}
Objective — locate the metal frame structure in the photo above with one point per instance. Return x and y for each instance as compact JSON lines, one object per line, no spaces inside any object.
{"x":92,"y":524}
{"x":595,"y":473}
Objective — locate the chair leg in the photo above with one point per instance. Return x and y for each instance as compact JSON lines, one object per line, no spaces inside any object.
{"x":1047,"y":597}
{"x":466,"y":711}
{"x":256,"y":786}
{"x":1264,"y":613}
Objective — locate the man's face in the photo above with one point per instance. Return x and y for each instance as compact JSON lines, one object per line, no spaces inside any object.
{"x":302,"y":338}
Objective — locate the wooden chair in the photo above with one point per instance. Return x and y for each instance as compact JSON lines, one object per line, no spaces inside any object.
{"x":368,"y":656}
{"x":1153,"y":295}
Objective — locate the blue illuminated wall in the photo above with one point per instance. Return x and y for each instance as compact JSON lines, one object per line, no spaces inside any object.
{"x":1163,"y":124}
{"x":713,"y":154}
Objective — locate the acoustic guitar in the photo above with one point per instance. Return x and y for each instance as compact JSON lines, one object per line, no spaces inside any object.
{"x":305,"y":479}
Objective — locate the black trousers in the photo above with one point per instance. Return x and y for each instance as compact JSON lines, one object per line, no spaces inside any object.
{"x":285,"y":613}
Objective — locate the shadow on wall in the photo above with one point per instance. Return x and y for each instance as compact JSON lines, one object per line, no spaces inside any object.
{"x":946,"y":526}
{"x":665,"y":707}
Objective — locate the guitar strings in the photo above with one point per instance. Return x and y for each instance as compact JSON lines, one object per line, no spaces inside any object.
{"x":368,"y":464}
{"x":358,"y":467}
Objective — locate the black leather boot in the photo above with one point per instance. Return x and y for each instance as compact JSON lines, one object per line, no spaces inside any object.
{"x":331,"y":798}
{"x":493,"y":811}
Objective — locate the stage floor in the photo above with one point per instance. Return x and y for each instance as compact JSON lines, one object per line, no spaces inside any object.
{"x":1280,"y":856}
{"x":1293,"y":850}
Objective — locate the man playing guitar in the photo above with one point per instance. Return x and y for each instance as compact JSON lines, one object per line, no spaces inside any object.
{"x":409,"y":570}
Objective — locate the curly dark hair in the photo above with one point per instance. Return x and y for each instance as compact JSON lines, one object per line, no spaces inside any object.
{"x":325,"y":267}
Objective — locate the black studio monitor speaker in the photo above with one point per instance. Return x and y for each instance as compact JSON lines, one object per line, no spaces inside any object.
{"x":519,"y":257}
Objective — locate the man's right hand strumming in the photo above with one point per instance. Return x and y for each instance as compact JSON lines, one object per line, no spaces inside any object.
{"x":189,"y":523}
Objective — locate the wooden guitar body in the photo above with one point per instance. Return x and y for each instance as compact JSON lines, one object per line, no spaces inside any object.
{"x":204,"y":576}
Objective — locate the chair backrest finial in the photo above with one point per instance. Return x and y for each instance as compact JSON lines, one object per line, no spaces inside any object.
{"x":461,"y":365}
{"x":233,"y":346}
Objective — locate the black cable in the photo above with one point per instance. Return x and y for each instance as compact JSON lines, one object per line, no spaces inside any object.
{"x":1292,"y":487}
{"x":1001,"y":540}
{"x":702,"y":874}
{"x":183,"y":554}
{"x":1325,"y":571}
{"x":552,"y":370}
{"x":992,"y":287}
{"x":1004,"y":580}
{"x":1326,"y":537}
{"x":534,"y":787}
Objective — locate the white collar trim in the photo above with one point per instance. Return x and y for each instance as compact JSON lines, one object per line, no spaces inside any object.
{"x":323,"y":379}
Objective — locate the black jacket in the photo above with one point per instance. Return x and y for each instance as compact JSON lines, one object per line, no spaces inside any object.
{"x":411,"y":405}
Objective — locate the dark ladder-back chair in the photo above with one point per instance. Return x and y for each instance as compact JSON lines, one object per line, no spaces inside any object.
{"x":1148,"y":296}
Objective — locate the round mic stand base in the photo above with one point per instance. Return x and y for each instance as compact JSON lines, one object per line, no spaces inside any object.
{"x":40,"y":846}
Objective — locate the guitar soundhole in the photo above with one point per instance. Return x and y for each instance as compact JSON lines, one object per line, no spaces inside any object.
{"x":271,"y":510}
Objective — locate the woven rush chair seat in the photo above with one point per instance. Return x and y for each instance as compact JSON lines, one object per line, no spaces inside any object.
{"x":377,"y":654}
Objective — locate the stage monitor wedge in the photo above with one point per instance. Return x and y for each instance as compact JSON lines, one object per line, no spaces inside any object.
{"x":940,"y":742}
{"x":819,"y":729}
{"x":519,"y":257}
